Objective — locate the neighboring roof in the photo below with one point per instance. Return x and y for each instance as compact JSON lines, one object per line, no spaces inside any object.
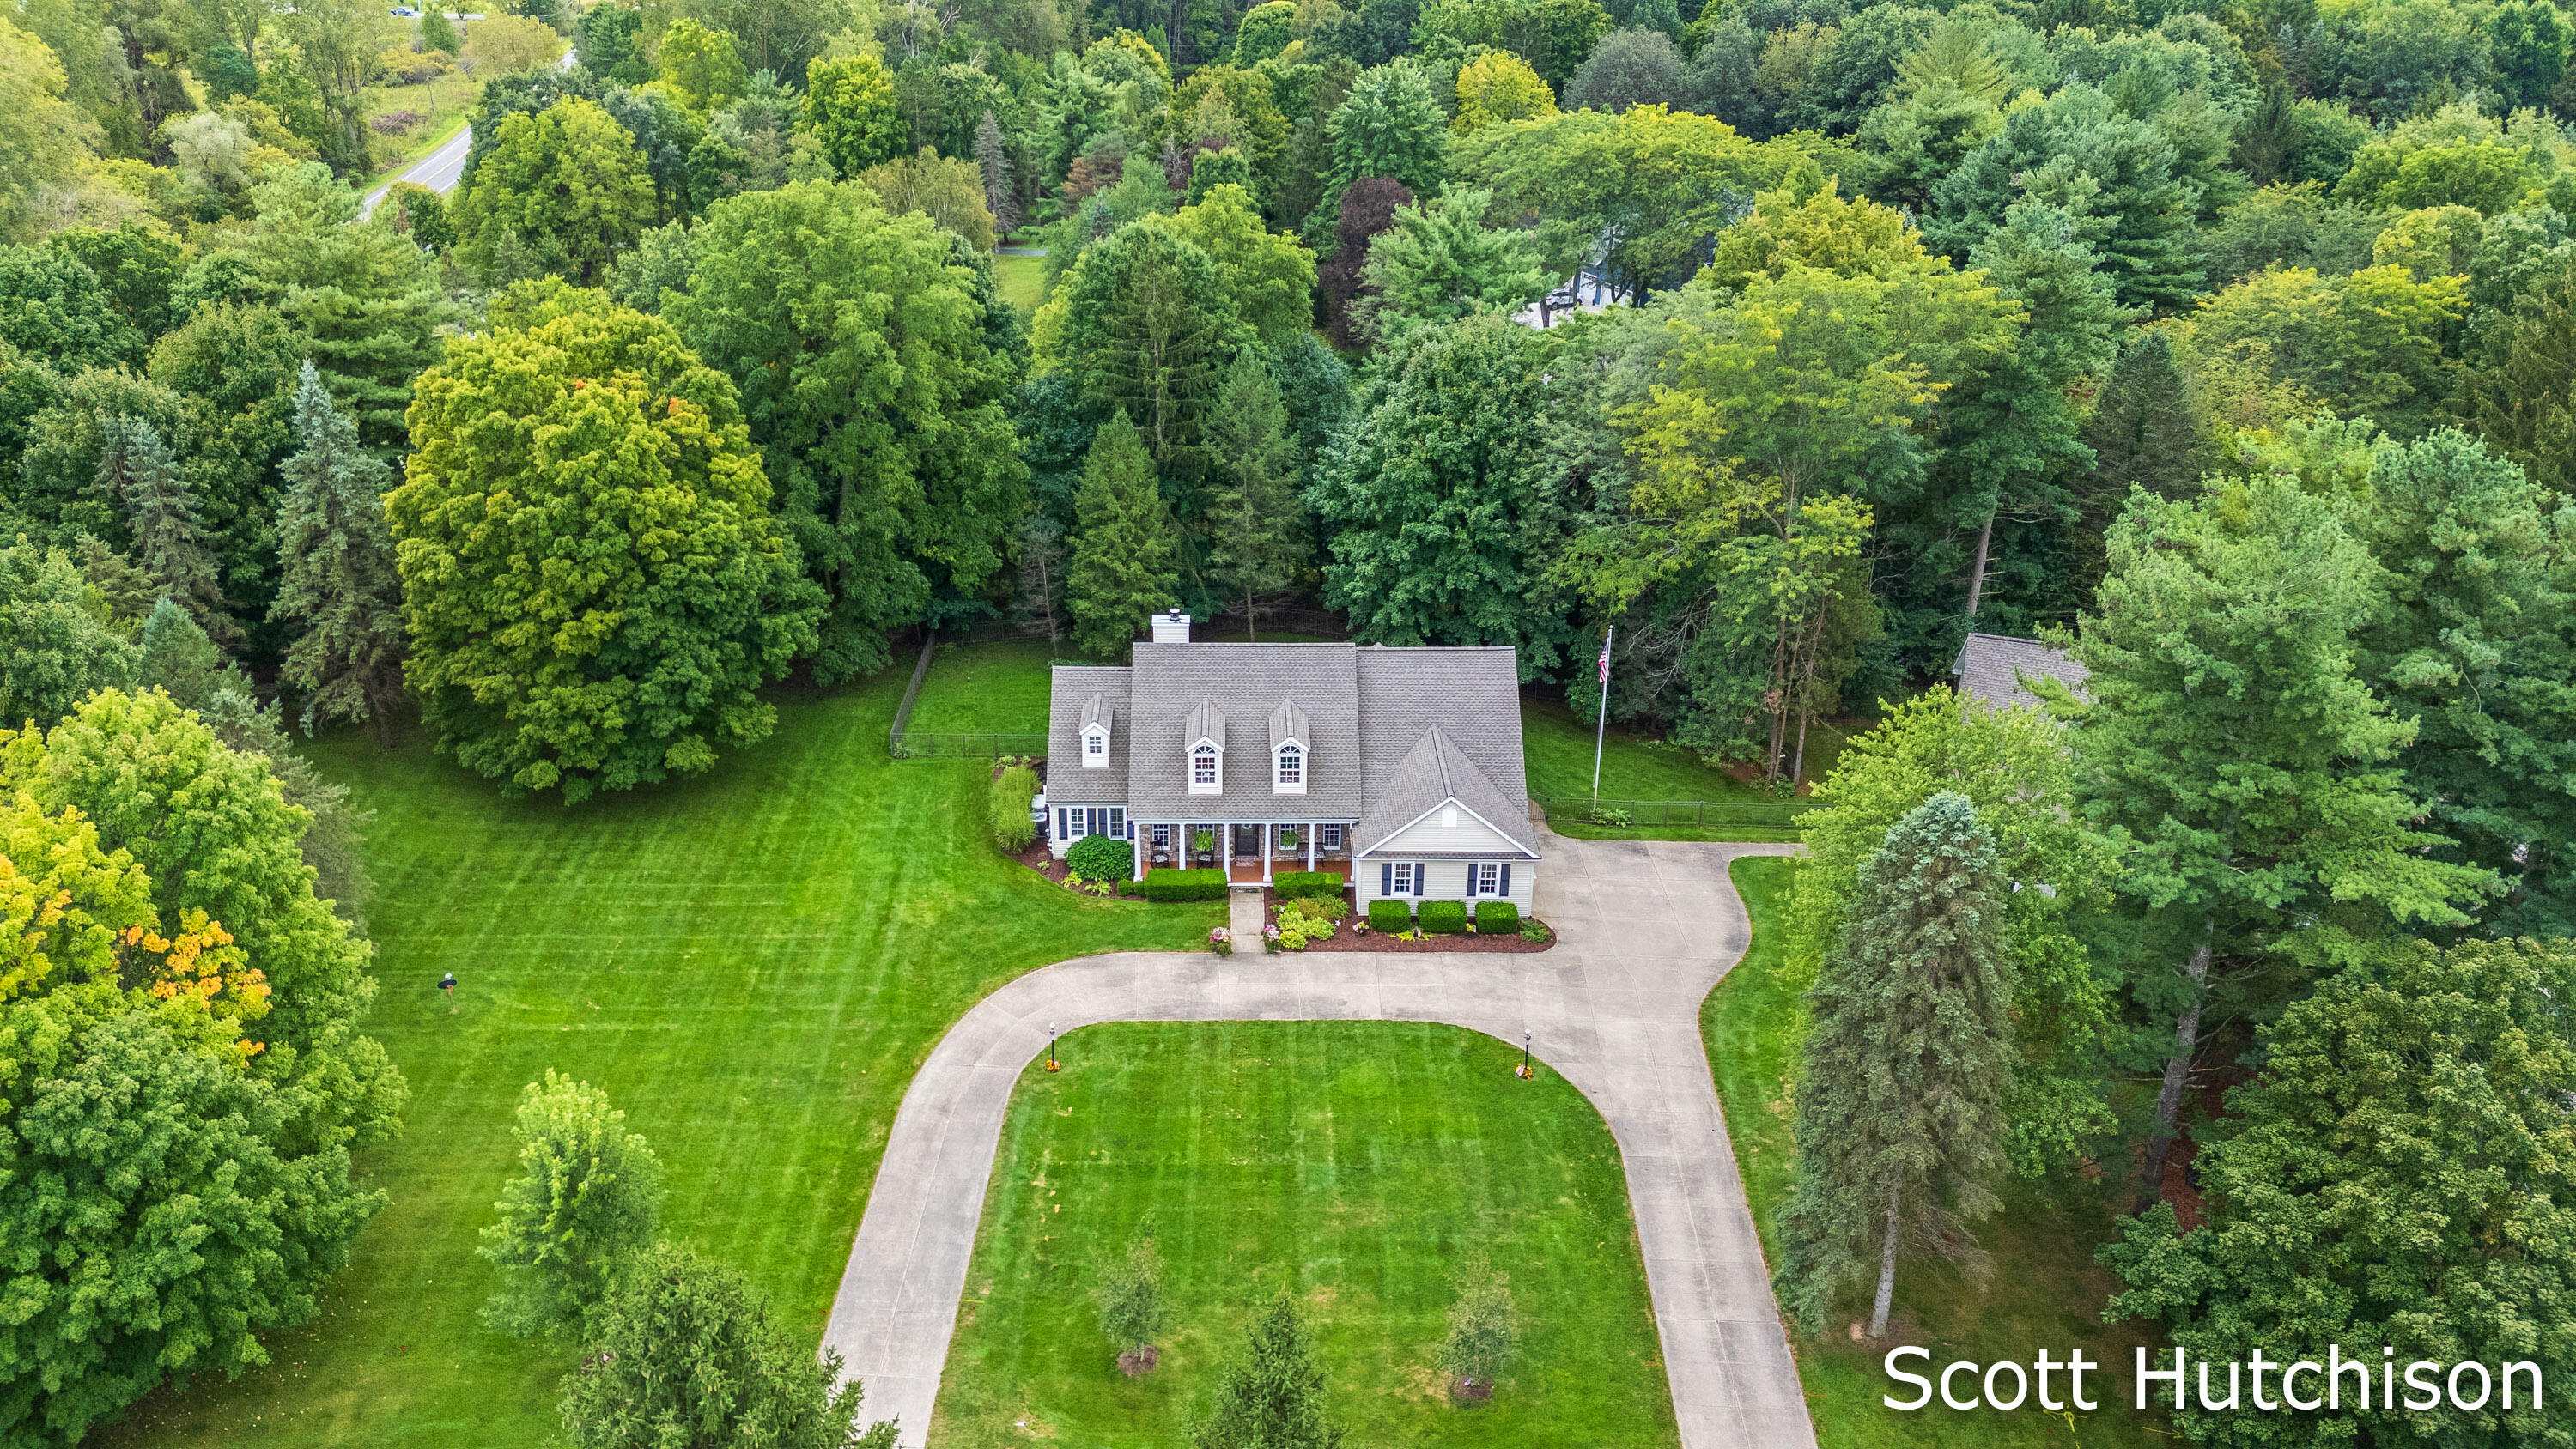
{"x":1288,"y":722}
{"x":1243,"y":682}
{"x":1077,"y":690}
{"x":1989,"y":667}
{"x":1428,"y":776}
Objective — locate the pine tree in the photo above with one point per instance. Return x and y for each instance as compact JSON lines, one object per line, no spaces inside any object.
{"x":1122,"y":569}
{"x":135,"y":468}
{"x":1900,"y":1114}
{"x":2142,"y":433}
{"x":1041,"y":594}
{"x":1274,"y":1399}
{"x":339,"y":581}
{"x":1261,"y":527}
{"x":1163,"y":359}
{"x":994,"y":162}
{"x":178,"y":658}
{"x":127,"y":594}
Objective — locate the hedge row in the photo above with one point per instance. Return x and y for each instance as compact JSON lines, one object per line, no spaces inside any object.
{"x":1497,"y":918}
{"x":1184,"y":885}
{"x":1390,"y":915}
{"x":1443,"y":918}
{"x":1294,"y":883}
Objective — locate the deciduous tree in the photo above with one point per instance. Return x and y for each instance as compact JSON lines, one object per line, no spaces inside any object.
{"x":1440,"y":262}
{"x":57,"y":645}
{"x":563,"y":191}
{"x":850,"y":108}
{"x":586,"y":1200}
{"x":576,"y":430}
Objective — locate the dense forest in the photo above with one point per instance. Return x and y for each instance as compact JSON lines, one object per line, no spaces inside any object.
{"x":2231,"y":345}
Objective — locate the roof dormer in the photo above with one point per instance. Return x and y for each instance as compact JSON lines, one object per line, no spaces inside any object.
{"x":1204,"y":737}
{"x":1291,"y":749}
{"x":1095,"y":733}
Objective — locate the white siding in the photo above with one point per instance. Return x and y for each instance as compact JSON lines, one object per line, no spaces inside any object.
{"x":1446,"y":880}
{"x":1429,"y":834}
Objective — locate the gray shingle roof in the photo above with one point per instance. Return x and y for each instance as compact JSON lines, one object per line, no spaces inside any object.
{"x":1288,"y":722}
{"x":1076,"y":691}
{"x":1472,"y":694}
{"x":1988,"y":666}
{"x":1432,"y":771}
{"x":1243,"y":683}
{"x":1095,"y":710}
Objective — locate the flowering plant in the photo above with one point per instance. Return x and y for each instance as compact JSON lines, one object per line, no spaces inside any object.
{"x":1270,"y":939}
{"x":1221,"y":941}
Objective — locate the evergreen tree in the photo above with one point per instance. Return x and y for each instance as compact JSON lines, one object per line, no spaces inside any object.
{"x":993,"y":161}
{"x":1163,"y":345}
{"x":136,"y":469}
{"x":340,"y":582}
{"x":1274,"y":1397}
{"x":1260,"y":526}
{"x":1041,"y":591}
{"x":586,"y":1199}
{"x":1900,"y":1111}
{"x":123,"y":588}
{"x":2143,"y":434}
{"x":175,"y":656}
{"x":55,"y":651}
{"x":2243,"y":768}
{"x":1122,"y":569}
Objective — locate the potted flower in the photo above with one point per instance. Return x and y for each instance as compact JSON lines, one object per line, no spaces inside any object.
{"x":1270,"y":938}
{"x":1221,"y":941}
{"x":1288,"y":838}
{"x":1203,"y":843}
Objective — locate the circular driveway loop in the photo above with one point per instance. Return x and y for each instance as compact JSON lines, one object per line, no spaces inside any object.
{"x":1645,"y":929}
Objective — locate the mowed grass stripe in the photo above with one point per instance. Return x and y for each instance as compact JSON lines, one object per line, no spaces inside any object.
{"x":753,"y":964}
{"x":1360,"y":1165}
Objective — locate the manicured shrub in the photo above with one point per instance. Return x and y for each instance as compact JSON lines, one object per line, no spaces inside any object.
{"x":1443,"y":918}
{"x":1497,"y":918}
{"x":1184,"y":885}
{"x":1101,"y":857}
{"x":1390,"y":915}
{"x":1013,"y":789}
{"x":1291,"y":884}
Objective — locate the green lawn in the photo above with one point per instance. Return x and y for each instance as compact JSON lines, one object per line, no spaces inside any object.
{"x":986,"y":687}
{"x":1359,"y":1165}
{"x":1558,"y":748}
{"x":1022,"y":280}
{"x":753,"y":963}
{"x":443,"y":104}
{"x":2046,"y":1291}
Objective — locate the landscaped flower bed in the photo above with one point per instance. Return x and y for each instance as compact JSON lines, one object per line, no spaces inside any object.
{"x":1350,"y":934}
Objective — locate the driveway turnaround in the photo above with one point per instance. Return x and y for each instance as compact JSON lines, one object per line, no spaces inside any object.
{"x":1645,"y":928}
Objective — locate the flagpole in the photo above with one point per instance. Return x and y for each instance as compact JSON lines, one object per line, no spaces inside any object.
{"x":1601,"y":727}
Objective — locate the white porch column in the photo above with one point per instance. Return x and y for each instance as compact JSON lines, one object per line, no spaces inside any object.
{"x":1310,"y":847}
{"x":1269,"y":839}
{"x":1142,"y":837}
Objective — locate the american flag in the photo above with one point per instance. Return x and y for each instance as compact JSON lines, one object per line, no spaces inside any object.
{"x":1605,"y":661}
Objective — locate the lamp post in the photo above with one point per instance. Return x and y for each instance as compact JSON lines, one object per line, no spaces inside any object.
{"x":1052,"y":1063}
{"x":1524,"y":1071}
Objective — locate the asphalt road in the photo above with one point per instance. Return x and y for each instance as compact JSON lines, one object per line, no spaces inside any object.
{"x":440,"y":170}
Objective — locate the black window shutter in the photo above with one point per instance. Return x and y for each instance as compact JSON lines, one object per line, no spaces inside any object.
{"x":1507,"y":879}
{"x":1386,"y":878}
{"x":1421,"y":869}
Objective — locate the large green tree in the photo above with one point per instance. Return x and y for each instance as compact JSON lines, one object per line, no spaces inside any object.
{"x":2243,"y":768}
{"x":849,"y":107}
{"x":561,"y":192}
{"x":1440,"y":262}
{"x":1908,"y":1062}
{"x":860,"y":348}
{"x":57,"y":645}
{"x":1144,"y":322}
{"x":1261,"y":532}
{"x":594,"y":586}
{"x":1389,"y":125}
{"x":2397,"y":1175}
{"x":2475,"y":643}
{"x":1443,"y":526}
{"x":1122,"y":552}
{"x":341,"y":592}
{"x":136,"y":468}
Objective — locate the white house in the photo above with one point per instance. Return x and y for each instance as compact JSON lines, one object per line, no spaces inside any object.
{"x":1399,"y":767}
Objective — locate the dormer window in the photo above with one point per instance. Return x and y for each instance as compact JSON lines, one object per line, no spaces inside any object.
{"x":1205,"y":776}
{"x":1288,"y":772}
{"x":1095,"y":748}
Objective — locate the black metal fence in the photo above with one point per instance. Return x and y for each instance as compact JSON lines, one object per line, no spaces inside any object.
{"x":1674,"y":814}
{"x":928,"y":745}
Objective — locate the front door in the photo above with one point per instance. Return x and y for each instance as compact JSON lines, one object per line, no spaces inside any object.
{"x":1247,"y":840}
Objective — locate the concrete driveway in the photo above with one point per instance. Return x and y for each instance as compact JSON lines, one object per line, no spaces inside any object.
{"x":1645,"y":929}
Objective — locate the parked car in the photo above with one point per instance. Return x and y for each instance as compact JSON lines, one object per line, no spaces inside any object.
{"x":404,"y":12}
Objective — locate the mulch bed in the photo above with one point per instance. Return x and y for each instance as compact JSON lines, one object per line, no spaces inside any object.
{"x":1141,"y":1361}
{"x":1471,"y":1391}
{"x":1344,"y":938}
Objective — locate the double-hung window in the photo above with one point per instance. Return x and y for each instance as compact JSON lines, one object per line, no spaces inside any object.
{"x":1329,"y":836}
{"x":1485,"y":880}
{"x":1203,"y":767}
{"x":1292,"y":766}
{"x":1162,"y":835}
{"x":1402,"y":884}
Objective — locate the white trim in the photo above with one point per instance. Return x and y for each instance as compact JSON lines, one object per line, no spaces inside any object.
{"x":1216,"y":754}
{"x":1451,"y":803}
{"x":1286,"y":751}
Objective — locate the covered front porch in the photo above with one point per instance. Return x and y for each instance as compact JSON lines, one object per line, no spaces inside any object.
{"x":1249,"y":851}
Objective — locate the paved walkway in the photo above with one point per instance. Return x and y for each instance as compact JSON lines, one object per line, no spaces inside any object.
{"x":1647,"y":928}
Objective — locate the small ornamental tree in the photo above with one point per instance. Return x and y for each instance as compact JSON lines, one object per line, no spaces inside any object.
{"x":594,"y":585}
{"x":849,"y":108}
{"x":1482,"y":1334}
{"x":587,"y":1198}
{"x":685,"y":1348}
{"x":1900,"y":1111}
{"x":340,"y":582}
{"x":1130,"y":1298}
{"x":1274,"y":1397}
